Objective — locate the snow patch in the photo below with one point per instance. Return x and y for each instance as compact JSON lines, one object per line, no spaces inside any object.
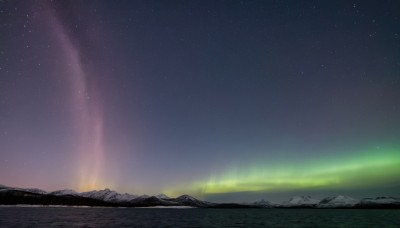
{"x":338,"y":201}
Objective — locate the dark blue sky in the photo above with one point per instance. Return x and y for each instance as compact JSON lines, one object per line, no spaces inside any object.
{"x":220,"y":99}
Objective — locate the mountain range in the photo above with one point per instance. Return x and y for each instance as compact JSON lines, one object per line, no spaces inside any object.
{"x":109,"y":198}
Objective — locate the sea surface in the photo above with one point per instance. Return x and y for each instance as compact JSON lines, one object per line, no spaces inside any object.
{"x":156,"y":217}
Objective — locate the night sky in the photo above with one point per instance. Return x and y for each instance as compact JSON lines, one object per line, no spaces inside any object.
{"x":222,"y":100}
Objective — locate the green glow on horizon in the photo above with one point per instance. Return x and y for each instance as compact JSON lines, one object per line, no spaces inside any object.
{"x":359,"y":170}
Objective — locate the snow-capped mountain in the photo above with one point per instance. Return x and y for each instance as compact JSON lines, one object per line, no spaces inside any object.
{"x":126,"y":197}
{"x":65,"y":192}
{"x":34,"y":190}
{"x":337,"y":202}
{"x":108,"y":195}
{"x":300,"y":201}
{"x":105,"y":195}
{"x":187,"y":200}
{"x":140,"y":198}
{"x":162,"y":196}
{"x":380,"y":201}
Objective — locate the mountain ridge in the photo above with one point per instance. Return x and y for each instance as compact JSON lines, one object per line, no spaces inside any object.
{"x":109,"y":198}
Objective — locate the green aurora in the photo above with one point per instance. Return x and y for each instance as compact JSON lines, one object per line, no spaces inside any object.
{"x":356,"y":170}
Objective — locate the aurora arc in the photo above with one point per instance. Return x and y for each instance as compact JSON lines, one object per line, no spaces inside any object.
{"x":358,"y":170}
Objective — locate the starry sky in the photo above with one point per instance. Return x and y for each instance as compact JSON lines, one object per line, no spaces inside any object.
{"x":224,"y":100}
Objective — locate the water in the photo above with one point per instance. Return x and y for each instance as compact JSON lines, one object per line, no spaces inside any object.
{"x":131,"y":217}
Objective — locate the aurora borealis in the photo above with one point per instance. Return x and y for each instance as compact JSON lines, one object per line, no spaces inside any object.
{"x":223,"y":100}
